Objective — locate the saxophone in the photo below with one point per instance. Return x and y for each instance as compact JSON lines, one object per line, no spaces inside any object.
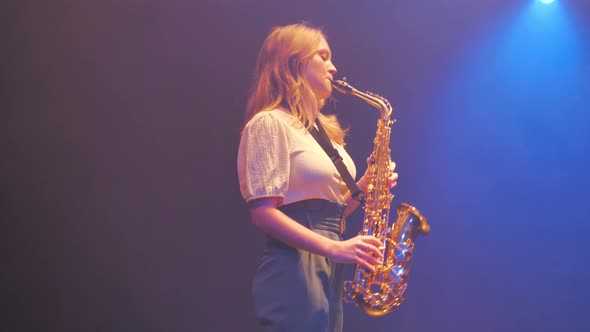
{"x":382,"y":291}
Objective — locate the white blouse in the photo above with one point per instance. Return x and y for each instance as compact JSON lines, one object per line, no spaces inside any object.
{"x":278,"y":157}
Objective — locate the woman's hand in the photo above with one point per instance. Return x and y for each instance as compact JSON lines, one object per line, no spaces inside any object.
{"x":361,"y":249}
{"x":392,"y":176}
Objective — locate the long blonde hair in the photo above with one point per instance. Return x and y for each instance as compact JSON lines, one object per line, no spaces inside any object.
{"x":278,"y":78}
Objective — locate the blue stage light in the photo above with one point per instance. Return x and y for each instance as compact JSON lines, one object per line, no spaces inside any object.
{"x":546,"y":1}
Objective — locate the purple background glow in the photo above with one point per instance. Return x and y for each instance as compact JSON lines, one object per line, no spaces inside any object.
{"x":120,"y":204}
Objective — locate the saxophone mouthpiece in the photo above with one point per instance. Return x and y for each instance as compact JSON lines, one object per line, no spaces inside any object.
{"x":342,"y":86}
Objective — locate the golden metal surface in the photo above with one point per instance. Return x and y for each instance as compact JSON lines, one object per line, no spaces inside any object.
{"x":382,"y":291}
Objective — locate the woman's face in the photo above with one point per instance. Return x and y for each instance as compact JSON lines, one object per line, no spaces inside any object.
{"x":320,"y":70}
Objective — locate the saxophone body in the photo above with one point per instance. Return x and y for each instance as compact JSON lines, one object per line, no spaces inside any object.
{"x":382,"y":291}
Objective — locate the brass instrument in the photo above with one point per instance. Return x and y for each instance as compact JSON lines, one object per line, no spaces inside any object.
{"x":382,"y":291}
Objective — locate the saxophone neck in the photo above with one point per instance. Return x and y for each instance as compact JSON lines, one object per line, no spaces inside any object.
{"x":372,"y":99}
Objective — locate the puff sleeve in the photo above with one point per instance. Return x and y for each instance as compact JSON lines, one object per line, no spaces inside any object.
{"x":263,"y":158}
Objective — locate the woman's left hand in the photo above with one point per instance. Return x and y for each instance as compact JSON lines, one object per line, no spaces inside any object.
{"x":392,"y":176}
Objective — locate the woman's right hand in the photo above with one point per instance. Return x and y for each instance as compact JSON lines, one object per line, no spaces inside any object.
{"x":361,"y":249}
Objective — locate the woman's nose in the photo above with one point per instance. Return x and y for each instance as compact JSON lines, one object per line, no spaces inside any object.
{"x":331,"y":68}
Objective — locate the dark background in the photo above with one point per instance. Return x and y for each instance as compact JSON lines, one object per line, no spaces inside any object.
{"x":120,"y":124}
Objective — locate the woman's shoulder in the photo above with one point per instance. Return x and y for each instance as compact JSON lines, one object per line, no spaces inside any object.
{"x":273,"y":117}
{"x":276,"y":114}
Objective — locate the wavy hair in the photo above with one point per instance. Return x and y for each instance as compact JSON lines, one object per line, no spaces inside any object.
{"x":278,"y":78}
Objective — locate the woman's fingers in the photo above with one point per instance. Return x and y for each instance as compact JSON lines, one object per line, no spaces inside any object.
{"x":370,"y":253}
{"x":393,"y":176}
{"x":369,"y":239}
{"x":392,"y":166}
{"x":364,"y":250}
{"x":368,"y":261}
{"x":366,"y":265}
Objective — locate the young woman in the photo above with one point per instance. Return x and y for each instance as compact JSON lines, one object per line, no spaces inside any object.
{"x":294,"y":192}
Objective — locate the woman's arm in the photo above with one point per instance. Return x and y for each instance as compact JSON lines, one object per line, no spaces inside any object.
{"x":267,"y":217}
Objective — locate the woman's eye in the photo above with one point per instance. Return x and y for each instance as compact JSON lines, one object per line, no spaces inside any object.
{"x":324,"y":56}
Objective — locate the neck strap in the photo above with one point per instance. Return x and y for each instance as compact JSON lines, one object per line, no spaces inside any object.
{"x":322,"y":138}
